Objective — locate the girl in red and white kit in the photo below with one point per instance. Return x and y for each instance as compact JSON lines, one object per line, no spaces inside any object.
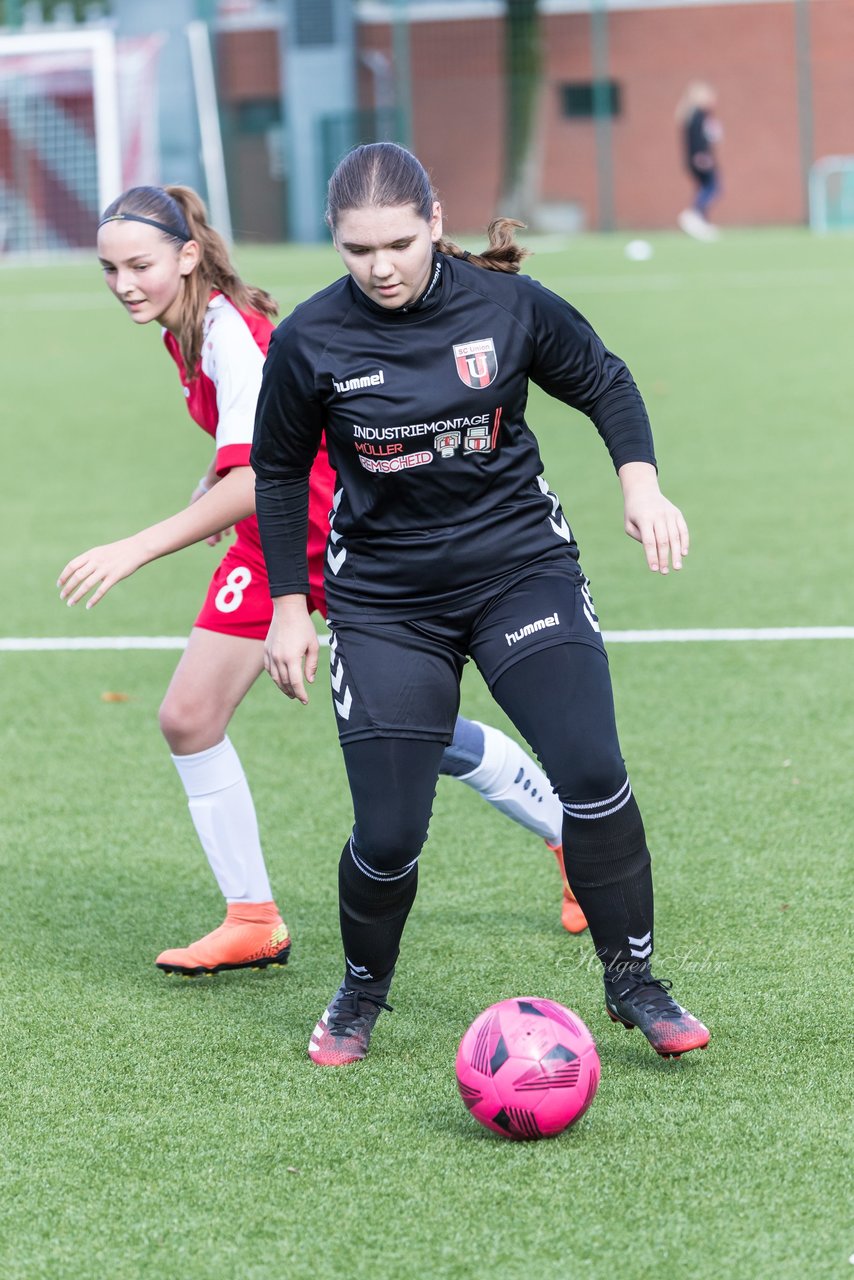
{"x":165,"y":263}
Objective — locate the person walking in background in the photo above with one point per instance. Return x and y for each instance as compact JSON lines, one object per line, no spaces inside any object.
{"x":165,"y":263}
{"x":415,"y":367}
{"x":700,"y":132}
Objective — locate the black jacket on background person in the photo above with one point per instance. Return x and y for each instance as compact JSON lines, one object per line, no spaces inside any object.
{"x":698,"y":143}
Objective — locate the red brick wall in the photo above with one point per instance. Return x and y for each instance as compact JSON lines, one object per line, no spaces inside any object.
{"x":247,"y":65}
{"x":832,"y":29}
{"x":747,"y":51}
{"x":458,"y":114}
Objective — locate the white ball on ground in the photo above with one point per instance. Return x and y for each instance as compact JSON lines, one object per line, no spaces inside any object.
{"x":638,"y":250}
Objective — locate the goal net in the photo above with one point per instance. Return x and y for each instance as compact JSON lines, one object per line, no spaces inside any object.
{"x":78,"y":124}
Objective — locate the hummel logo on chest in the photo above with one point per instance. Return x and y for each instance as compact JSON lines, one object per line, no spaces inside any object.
{"x":356,"y":384}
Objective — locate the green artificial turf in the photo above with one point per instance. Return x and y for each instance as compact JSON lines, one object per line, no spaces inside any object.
{"x":176,"y":1130}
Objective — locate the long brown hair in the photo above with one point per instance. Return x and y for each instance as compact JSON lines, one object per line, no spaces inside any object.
{"x":183,"y":210}
{"x":385,"y":175}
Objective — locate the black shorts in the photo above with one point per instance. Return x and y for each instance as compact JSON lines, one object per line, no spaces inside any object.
{"x":402,"y":679}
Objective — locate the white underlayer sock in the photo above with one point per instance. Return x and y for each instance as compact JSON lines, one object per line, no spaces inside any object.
{"x":223,"y":814}
{"x":515,"y":785}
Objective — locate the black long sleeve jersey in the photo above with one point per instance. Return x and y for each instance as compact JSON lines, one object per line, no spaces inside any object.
{"x":697,"y":140}
{"x":440,"y":498}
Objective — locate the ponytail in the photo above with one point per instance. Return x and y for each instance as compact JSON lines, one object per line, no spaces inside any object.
{"x":502,"y":253}
{"x":215,"y":270}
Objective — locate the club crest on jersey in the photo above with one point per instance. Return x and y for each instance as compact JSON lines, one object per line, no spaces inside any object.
{"x":477,"y":363}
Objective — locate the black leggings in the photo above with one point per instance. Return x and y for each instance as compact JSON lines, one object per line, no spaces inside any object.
{"x":560,"y":700}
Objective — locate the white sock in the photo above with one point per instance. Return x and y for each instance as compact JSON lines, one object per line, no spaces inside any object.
{"x":515,"y":785}
{"x":224,"y":816}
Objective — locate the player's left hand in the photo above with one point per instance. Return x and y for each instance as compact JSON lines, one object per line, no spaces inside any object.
{"x":291,"y":647}
{"x":652,"y":519}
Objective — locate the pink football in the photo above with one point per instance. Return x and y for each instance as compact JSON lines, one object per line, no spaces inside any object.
{"x":527,"y":1068}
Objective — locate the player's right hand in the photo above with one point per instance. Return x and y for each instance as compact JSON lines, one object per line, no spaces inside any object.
{"x":291,"y":641}
{"x":97,"y":570}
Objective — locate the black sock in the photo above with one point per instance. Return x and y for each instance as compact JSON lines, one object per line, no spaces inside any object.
{"x":373,"y":913}
{"x":608,"y":868}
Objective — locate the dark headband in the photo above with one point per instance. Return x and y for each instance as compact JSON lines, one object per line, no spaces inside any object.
{"x":151,"y":222}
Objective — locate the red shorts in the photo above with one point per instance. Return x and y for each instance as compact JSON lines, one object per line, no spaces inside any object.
{"x":238,"y":601}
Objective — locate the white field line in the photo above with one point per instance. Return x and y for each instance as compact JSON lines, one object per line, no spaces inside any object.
{"x":706,"y":634}
{"x":701,"y":635}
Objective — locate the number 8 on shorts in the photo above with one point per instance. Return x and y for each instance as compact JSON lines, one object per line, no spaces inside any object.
{"x":230,"y":595}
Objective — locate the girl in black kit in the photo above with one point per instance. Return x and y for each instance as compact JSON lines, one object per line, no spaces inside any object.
{"x":446,"y":542}
{"x":701,"y":131}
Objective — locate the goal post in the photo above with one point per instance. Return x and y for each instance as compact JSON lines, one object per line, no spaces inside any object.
{"x":77,"y":125}
{"x":831,"y":194}
{"x":207,"y":110}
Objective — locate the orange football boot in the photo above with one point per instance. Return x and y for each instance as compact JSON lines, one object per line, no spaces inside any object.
{"x":571,"y":916}
{"x":252,"y":936}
